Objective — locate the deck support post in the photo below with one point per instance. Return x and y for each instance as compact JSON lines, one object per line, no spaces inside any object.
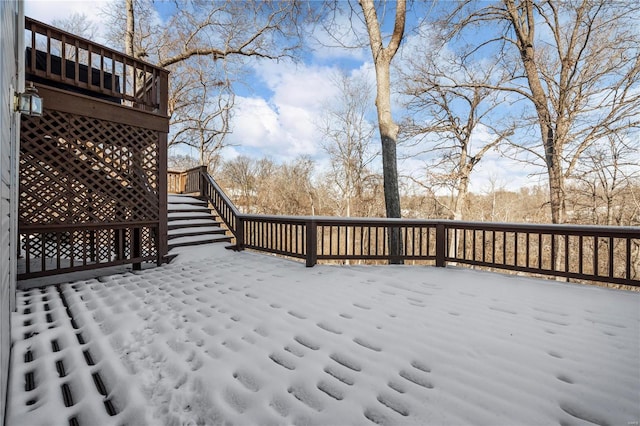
{"x":311,"y":242}
{"x":239,"y":232}
{"x":441,"y":245}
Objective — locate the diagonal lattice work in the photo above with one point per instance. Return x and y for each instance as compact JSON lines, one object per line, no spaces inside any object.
{"x":89,"y":192}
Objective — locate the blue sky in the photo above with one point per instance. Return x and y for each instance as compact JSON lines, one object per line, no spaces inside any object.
{"x":277,"y":108}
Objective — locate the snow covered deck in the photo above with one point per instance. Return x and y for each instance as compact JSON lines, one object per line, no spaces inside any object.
{"x":219,"y":337}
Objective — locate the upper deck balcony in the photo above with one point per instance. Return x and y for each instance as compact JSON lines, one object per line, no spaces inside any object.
{"x":65,"y":61}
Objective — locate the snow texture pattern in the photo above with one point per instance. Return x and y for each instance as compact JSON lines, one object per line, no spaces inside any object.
{"x":219,"y":337}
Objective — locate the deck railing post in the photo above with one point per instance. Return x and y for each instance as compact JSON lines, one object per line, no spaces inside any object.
{"x":239,"y":233}
{"x":311,"y":242}
{"x":201,"y":183}
{"x":136,"y":251}
{"x":441,"y":245}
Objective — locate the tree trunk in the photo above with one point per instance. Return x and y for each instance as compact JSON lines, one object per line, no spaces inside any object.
{"x":556,"y":192}
{"x":524,"y":27}
{"x":128,"y":37}
{"x":388,"y":128}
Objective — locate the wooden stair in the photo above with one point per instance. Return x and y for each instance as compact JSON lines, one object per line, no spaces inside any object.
{"x":191,"y":222}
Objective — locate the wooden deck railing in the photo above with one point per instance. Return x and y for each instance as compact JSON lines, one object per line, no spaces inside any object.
{"x":77,"y":63}
{"x":585,"y":253}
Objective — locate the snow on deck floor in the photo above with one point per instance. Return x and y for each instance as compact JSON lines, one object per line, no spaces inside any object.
{"x":219,"y":337}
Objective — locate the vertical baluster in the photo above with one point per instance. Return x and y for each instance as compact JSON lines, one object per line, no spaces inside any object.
{"x":134,"y":82}
{"x":89,"y":66}
{"x":48,"y":51}
{"x":504,"y":247}
{"x":595,"y":256}
{"x":539,"y":250}
{"x":63,"y":58}
{"x":346,"y":239}
{"x":493,"y":246}
{"x":628,"y":259}
{"x":553,"y":251}
{"x":102,"y":88}
{"x":114,"y":77}
{"x":76,"y":63}
{"x":58,"y":251}
{"x":484,"y":245}
{"x":464,"y":244}
{"x":385,"y":239}
{"x":611,"y":269}
{"x":566,"y":253}
{"x":72,"y":248}
{"x":580,"y":254}
{"x":27,"y":252}
{"x":43,"y":252}
{"x":34,"y":66}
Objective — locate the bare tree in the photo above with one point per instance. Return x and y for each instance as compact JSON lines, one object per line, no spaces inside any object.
{"x":264,"y":187}
{"x":206,"y":45}
{"x":129,"y":47}
{"x":293,"y":189}
{"x":217,"y":29}
{"x":78,"y":24}
{"x":348,"y":139}
{"x":240,"y":176}
{"x":201,"y":117}
{"x":450,"y":107}
{"x":603,"y":187}
{"x":382,"y":57}
{"x":577,"y":64}
{"x":181,"y":162}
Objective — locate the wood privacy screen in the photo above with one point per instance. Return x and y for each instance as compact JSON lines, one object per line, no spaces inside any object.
{"x":92,"y":169}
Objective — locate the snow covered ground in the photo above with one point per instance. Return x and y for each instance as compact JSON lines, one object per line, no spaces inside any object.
{"x":219,"y":337}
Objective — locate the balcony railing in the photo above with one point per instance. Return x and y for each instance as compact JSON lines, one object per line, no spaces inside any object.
{"x":77,"y":64}
{"x":584,"y":253}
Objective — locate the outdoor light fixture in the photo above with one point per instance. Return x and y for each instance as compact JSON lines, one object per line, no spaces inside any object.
{"x":29,"y":103}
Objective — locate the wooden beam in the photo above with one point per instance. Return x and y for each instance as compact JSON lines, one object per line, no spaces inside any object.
{"x":75,"y":103}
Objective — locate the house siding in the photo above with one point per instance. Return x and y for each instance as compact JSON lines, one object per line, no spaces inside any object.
{"x":10,"y":15}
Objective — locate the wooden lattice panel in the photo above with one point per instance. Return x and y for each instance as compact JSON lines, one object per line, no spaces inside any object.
{"x":79,"y":170}
{"x":89,"y":192}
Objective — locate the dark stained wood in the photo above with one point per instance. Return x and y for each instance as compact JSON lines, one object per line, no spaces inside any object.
{"x":539,"y":249}
{"x":75,"y":103}
{"x":163,"y":247}
{"x":66,"y":61}
{"x":93,"y":168}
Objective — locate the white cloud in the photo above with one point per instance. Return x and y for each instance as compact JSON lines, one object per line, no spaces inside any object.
{"x":282,"y":133}
{"x":49,"y":10}
{"x":283,"y":126}
{"x":304,"y":86}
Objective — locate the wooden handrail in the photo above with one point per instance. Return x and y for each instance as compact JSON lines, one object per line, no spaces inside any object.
{"x":607,"y":254}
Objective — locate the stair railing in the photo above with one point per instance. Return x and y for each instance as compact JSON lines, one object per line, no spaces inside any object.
{"x":225,"y":208}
